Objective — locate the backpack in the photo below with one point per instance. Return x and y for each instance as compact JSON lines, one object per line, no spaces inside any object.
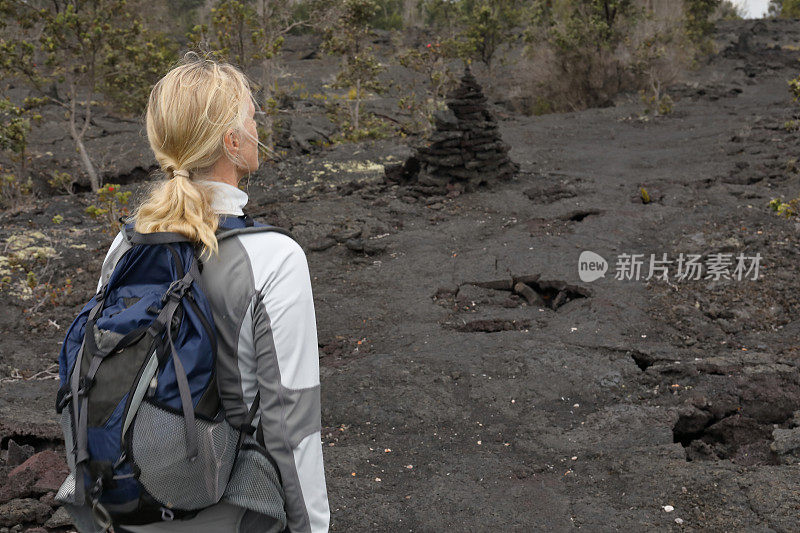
{"x":145,"y":433}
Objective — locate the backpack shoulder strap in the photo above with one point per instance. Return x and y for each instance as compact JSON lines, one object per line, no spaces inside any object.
{"x":165,"y":237}
{"x":226,"y":233}
{"x":160,"y":237}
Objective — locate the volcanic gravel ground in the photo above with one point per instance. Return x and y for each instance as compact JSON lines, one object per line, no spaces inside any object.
{"x":470,"y":379}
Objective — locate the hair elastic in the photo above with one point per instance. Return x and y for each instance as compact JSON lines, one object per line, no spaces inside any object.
{"x":180,"y":172}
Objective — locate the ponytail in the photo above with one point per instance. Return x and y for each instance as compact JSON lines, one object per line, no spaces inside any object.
{"x":189,"y":112}
{"x":181,"y":205}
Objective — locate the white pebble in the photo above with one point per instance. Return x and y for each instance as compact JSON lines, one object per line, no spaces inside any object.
{"x":668,"y":508}
{"x":679,"y":521}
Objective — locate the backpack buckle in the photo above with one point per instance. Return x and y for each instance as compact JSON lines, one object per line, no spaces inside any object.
{"x":247,"y":428}
{"x":84,"y":384}
{"x":177,"y":289}
{"x":62,"y":402}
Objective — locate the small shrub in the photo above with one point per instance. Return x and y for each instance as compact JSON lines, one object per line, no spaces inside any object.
{"x":665,"y":105}
{"x":430,"y":60}
{"x":794,"y":88}
{"x":785,"y":9}
{"x":113,"y":204}
{"x":369,"y":126}
{"x":698,"y":23}
{"x":785,"y":209}
{"x":13,"y":190}
{"x":30,"y":280}
{"x":541,"y":106}
{"x":655,"y":104}
{"x":61,"y":181}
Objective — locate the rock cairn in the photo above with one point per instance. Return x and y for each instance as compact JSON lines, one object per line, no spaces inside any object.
{"x":464,"y":151}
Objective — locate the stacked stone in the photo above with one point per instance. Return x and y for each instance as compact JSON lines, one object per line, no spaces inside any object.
{"x":465,"y":148}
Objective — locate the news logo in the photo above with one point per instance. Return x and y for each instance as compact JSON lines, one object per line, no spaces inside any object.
{"x":591,"y":266}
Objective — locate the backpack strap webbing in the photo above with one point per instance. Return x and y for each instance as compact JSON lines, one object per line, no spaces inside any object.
{"x":162,"y":325}
{"x":253,"y":229}
{"x":247,"y":427}
{"x":159,"y":237}
{"x":80,"y":388}
{"x":165,"y":237}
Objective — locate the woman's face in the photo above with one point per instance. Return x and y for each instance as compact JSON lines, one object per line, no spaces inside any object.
{"x":248,"y":151}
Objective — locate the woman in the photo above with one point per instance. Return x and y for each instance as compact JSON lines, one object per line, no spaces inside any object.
{"x":201,"y":129}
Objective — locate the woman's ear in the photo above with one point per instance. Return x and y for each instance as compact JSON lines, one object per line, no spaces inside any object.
{"x":231,"y":141}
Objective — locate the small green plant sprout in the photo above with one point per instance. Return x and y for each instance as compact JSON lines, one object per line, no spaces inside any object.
{"x":113,"y":204}
{"x":791,"y":125}
{"x":30,"y":280}
{"x":58,"y":219}
{"x":794,"y":88}
{"x":644,"y":195}
{"x":785,"y":209}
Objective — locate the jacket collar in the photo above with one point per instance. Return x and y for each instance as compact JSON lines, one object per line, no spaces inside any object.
{"x":227,"y":199}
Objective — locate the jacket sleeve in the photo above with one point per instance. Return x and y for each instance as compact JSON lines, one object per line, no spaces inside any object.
{"x":287,"y":367}
{"x":112,"y":256}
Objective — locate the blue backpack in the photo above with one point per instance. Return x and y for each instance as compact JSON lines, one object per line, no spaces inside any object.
{"x":145,"y":433}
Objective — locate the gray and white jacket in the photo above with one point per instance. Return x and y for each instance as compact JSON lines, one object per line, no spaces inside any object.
{"x":259,"y":289}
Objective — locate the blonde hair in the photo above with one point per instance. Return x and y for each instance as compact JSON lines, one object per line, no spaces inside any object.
{"x":188,"y":113}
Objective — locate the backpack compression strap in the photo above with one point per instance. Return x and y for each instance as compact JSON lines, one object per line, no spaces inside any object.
{"x":162,"y":323}
{"x":79,"y":389}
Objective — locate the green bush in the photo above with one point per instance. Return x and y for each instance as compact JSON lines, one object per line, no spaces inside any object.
{"x":785,"y":9}
{"x":61,"y":181}
{"x":13,"y":190}
{"x":698,"y":23}
{"x":113,"y":205}
{"x":785,"y":209}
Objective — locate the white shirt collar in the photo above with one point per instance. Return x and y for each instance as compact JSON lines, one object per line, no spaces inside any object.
{"x":227,"y":199}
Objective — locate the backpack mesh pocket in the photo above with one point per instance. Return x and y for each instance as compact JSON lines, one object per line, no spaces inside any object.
{"x":66,"y":493}
{"x":255,"y":485}
{"x":158,"y":449}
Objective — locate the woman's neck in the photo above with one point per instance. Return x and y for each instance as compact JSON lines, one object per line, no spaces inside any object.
{"x":224,"y":171}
